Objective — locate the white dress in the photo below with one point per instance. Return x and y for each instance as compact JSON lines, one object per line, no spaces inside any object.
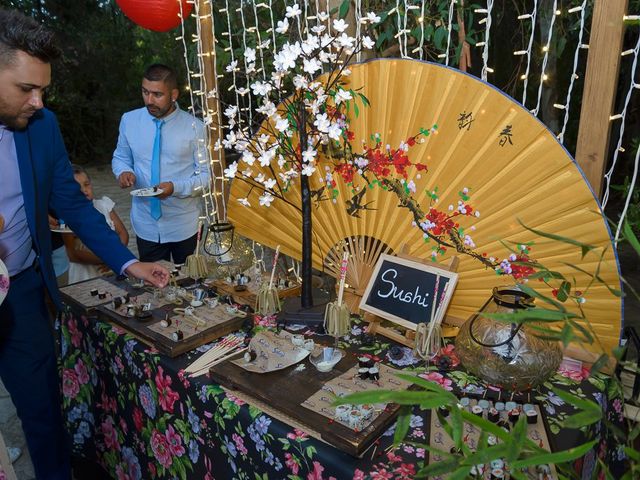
{"x":81,"y":271}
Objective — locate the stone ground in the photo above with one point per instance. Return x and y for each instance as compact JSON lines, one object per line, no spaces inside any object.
{"x":105,"y":184}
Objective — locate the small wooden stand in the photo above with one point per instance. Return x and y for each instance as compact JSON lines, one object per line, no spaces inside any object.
{"x":408,"y":336}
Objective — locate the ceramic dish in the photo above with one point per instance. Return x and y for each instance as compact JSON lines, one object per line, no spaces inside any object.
{"x":147,"y":192}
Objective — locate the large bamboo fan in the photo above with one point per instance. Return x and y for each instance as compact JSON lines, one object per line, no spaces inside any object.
{"x":515,"y":170}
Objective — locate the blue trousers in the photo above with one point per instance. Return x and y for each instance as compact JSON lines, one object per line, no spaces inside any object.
{"x":28,"y":371}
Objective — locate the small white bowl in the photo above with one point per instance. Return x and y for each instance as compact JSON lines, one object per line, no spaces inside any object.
{"x":325,"y":362}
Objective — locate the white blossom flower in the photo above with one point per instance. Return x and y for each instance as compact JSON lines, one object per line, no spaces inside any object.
{"x":334,"y":131}
{"x":261,"y":88}
{"x":248,"y":157}
{"x":326,"y":57}
{"x":403,"y":146}
{"x":310,"y":44}
{"x":468,"y":241}
{"x":311,"y":65}
{"x":230,"y":140}
{"x":309,"y":155}
{"x":232,"y":66}
{"x":322,"y":123}
{"x":346,"y":72}
{"x":345,"y":41}
{"x":342,"y":96}
{"x":250,"y":55}
{"x":318,"y":29}
{"x":260,"y":178}
{"x":268,"y":108}
{"x":231,"y":111}
{"x":266,"y":157}
{"x":286,"y":58}
{"x":283,"y":26}
{"x":323,"y":16}
{"x":281,"y":160}
{"x":300,"y":82}
{"x":247,"y":172}
{"x":340,"y":25}
{"x":368,"y":43}
{"x":293,"y":11}
{"x":308,"y":169}
{"x":263,"y":139}
{"x":270,"y":183}
{"x":282,"y":124}
{"x":411,"y":186}
{"x":242,"y":91}
{"x":244,"y":201}
{"x":231,"y":170}
{"x":266,"y":199}
{"x":373,"y":18}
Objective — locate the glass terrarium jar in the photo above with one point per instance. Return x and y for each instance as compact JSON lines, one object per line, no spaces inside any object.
{"x":510,"y":356}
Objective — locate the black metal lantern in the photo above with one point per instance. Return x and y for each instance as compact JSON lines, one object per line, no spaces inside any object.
{"x":219,"y":241}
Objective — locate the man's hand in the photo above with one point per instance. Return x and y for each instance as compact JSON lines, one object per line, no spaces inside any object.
{"x":53,"y":222}
{"x":127,"y":179}
{"x":152,"y":273}
{"x":167,"y":190}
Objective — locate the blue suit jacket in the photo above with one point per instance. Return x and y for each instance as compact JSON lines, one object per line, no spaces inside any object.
{"x":47,"y":183}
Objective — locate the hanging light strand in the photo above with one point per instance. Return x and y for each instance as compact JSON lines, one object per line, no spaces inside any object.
{"x":532,"y":16}
{"x":546,"y":49}
{"x":421,"y":20}
{"x":485,"y":51}
{"x":358,"y":17}
{"x":633,"y":85}
{"x":449,"y":27}
{"x":574,"y":74}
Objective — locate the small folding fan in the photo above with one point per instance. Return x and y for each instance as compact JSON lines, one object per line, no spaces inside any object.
{"x":515,"y":170}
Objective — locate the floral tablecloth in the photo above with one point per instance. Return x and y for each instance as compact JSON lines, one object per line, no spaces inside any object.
{"x":133,"y":411}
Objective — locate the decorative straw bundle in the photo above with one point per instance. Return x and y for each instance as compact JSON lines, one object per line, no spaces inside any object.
{"x":196,"y":265}
{"x":337,"y":315}
{"x":429,"y":335}
{"x":267,"y":300}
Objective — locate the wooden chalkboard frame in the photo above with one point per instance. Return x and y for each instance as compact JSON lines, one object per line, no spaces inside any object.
{"x":417,"y":265}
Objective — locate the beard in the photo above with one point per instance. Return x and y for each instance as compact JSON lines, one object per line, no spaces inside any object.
{"x":16,"y":121}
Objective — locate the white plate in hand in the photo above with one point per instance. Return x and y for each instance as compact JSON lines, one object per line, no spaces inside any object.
{"x":147,"y":192}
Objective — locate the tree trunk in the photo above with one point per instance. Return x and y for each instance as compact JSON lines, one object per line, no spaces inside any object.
{"x":307,"y":298}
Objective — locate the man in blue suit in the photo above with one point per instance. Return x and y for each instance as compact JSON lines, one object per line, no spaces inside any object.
{"x":36,"y":176}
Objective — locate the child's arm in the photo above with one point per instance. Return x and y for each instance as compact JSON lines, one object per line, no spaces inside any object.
{"x":78,"y":255}
{"x":121,"y":230}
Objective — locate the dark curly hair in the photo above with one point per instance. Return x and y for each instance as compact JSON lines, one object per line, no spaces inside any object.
{"x":18,"y":32}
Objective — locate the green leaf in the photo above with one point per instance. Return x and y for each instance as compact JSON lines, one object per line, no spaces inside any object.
{"x":439,"y":38}
{"x":552,"y":236}
{"x":439,"y":468}
{"x":402,"y":426}
{"x":554,"y":458}
{"x":344,"y":8}
{"x":630,"y":236}
{"x":517,"y":441}
{"x":564,"y":291}
{"x":601,"y":362}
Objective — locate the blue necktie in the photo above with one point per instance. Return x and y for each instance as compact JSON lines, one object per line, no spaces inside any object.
{"x":156,"y":209}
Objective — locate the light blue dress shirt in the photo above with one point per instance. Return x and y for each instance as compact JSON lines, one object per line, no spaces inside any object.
{"x":183,"y":161}
{"x":16,"y":249}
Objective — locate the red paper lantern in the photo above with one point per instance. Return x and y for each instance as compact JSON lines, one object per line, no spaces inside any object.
{"x":156,"y":15}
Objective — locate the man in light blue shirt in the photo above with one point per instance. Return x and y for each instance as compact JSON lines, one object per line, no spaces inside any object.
{"x":162,"y":146}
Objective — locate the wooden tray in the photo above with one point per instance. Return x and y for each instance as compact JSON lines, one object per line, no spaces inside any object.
{"x":285,"y":390}
{"x":160,"y":342}
{"x":248,"y":297}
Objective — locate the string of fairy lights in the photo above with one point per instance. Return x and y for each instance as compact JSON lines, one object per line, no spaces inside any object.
{"x":449,"y":28}
{"x":574,"y":73}
{"x":525,"y":77}
{"x":485,"y":44}
{"x":634,"y":85}
{"x":546,"y":49}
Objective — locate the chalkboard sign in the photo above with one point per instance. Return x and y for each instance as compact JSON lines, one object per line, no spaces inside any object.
{"x":408,"y":292}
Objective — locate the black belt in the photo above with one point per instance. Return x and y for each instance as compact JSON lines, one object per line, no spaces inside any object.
{"x":33,"y":266}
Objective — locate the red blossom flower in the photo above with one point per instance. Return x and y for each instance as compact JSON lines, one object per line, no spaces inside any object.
{"x":297,"y":434}
{"x":393,"y":457}
{"x":358,"y":474}
{"x":110,"y":435}
{"x":81,"y":369}
{"x":381,"y":473}
{"x":185,"y":381}
{"x":448,"y":351}
{"x":166,"y":396}
{"x":405,"y":471}
{"x":317,"y":472}
{"x":442,"y":223}
{"x":237,"y":439}
{"x":161,"y":449}
{"x":522,"y":271}
{"x":137,"y":418}
{"x":174,"y":440}
{"x":70,"y":384}
{"x":76,"y":336}
{"x":291,"y":463}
